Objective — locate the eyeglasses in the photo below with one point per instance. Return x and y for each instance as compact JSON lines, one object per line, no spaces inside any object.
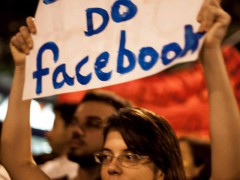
{"x":127,"y":159}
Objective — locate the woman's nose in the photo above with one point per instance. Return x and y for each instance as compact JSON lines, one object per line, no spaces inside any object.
{"x":114,"y":168}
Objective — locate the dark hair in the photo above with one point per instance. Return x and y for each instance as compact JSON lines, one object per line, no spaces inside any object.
{"x":146,"y":133}
{"x":107,"y":97}
{"x":201,"y":152}
{"x":66,"y":111}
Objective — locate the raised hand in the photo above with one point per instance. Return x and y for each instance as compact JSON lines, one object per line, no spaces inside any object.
{"x":22,"y":42}
{"x":214,"y":20}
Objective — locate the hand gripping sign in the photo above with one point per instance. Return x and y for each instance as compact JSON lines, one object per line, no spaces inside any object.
{"x":85,"y":44}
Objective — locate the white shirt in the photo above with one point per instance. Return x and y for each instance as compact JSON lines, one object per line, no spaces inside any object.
{"x":60,"y":167}
{"x":3,"y":174}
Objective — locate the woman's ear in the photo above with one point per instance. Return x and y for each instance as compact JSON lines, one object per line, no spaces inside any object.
{"x":159,"y":175}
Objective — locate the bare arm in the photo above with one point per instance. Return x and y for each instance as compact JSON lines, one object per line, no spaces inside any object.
{"x":224,"y":114}
{"x":16,"y":132}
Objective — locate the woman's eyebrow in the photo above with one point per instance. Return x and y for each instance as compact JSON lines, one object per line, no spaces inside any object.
{"x":127,"y":150}
{"x":124,"y":150}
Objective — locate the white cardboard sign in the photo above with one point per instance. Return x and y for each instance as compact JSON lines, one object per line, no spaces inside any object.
{"x":85,"y":44}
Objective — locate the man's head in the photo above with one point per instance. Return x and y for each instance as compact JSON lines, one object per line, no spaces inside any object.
{"x":59,"y":136}
{"x":88,"y":123}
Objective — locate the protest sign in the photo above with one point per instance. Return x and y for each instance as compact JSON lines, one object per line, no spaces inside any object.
{"x":85,"y":44}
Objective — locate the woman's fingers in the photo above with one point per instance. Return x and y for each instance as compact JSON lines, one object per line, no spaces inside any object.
{"x":26,"y":36}
{"x":207,"y":14}
{"x":31,"y":25}
{"x":23,"y":41}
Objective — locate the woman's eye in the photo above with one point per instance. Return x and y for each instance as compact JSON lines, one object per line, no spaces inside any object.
{"x":106,"y":157}
{"x":130,"y":157}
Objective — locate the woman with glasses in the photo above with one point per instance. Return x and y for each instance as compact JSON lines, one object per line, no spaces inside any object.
{"x":139,"y":145}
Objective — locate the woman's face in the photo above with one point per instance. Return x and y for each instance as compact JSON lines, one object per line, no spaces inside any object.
{"x":143,"y":170}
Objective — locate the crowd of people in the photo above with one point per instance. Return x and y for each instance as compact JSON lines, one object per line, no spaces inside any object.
{"x":107,"y":137}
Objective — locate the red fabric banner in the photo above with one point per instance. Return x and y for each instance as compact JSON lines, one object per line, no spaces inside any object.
{"x":179,"y":94}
